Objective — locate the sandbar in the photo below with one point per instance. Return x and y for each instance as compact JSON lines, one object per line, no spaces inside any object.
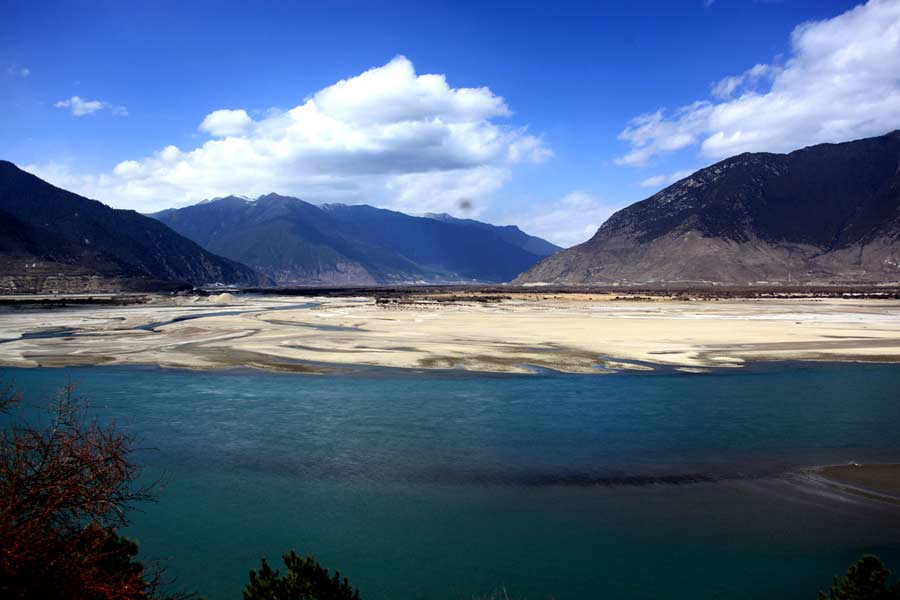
{"x":510,"y":334}
{"x":873,"y":481}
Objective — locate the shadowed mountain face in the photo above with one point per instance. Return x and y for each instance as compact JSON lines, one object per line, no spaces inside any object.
{"x":51,"y":239}
{"x":827,"y":213}
{"x":510,"y":233}
{"x":298,"y":243}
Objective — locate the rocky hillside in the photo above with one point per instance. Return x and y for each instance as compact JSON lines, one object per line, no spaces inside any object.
{"x":51,"y":239}
{"x":826,"y":214}
{"x":298,"y":243}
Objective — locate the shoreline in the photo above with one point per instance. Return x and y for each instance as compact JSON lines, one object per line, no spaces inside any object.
{"x":872,"y":481}
{"x":363,"y":370}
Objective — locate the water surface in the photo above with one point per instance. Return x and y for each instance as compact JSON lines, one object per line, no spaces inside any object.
{"x":448,"y":485}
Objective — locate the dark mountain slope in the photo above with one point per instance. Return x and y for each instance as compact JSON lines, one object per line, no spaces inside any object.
{"x":827,"y":213}
{"x":510,"y":233}
{"x":450,"y":249}
{"x":81,"y":237}
{"x":293,"y":241}
{"x":298,"y":243}
{"x":34,"y":259}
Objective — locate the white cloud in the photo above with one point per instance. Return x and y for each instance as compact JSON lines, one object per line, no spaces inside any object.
{"x":568,"y":221}
{"x":840,"y":82}
{"x":726,"y":87}
{"x":387,"y":137}
{"x":651,"y":134}
{"x":80,"y":107}
{"x":659,"y":180}
{"x":224,"y":123}
{"x":444,"y":191}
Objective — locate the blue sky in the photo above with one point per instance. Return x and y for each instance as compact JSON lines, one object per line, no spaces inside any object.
{"x":535,"y":123}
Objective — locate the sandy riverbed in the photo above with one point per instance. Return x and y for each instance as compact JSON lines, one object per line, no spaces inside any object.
{"x":569,"y":333}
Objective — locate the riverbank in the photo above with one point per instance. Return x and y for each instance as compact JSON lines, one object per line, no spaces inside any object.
{"x":513,"y":333}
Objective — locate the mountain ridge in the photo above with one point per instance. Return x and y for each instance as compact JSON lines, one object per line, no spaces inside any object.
{"x":298,"y":243}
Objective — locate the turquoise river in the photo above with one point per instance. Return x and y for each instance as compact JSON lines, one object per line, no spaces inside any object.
{"x":458,"y":485}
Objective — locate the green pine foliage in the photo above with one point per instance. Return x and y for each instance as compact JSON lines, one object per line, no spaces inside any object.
{"x":304,"y":579}
{"x":866,"y":580}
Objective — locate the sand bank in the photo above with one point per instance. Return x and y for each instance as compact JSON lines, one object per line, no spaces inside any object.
{"x":874,"y":481}
{"x":571,"y":334}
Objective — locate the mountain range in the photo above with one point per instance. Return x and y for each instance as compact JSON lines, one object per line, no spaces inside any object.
{"x":298,"y":243}
{"x":52,"y":239}
{"x":828,"y":213}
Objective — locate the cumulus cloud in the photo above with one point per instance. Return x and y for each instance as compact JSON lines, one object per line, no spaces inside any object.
{"x":224,"y":123}
{"x":841,"y":81}
{"x":80,"y":107}
{"x":568,"y":221}
{"x":388,"y":136}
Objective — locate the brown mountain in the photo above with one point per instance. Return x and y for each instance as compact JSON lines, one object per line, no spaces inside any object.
{"x":824,"y":214}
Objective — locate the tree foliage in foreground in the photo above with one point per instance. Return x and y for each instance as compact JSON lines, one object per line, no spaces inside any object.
{"x":304,"y":579}
{"x":65,"y":485}
{"x":865,"y":580}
